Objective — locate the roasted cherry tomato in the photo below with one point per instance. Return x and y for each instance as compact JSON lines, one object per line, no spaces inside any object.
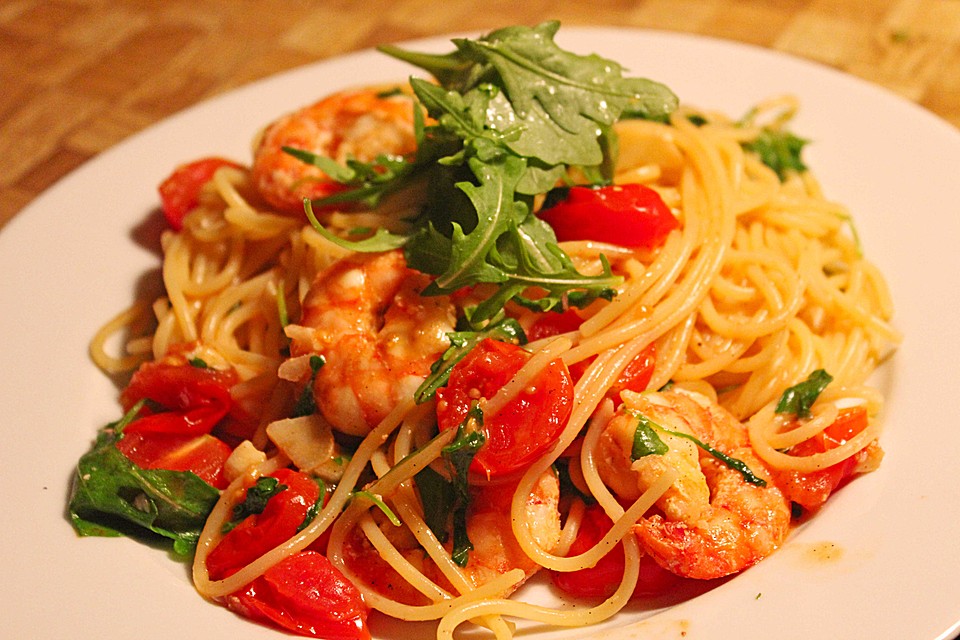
{"x":527,"y":426}
{"x":304,"y":593}
{"x":634,"y":377}
{"x":551,"y":324}
{"x":183,"y":399}
{"x":602,"y":579}
{"x":629,"y":215}
{"x":307,"y":595}
{"x":203,"y":455}
{"x":180,"y":192}
{"x":811,"y":489}
{"x":283,"y":514}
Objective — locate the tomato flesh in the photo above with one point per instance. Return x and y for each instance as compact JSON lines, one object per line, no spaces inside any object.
{"x":184,"y":399}
{"x":630,"y":215}
{"x":634,"y":377}
{"x":527,"y":426}
{"x":811,"y":489}
{"x":602,"y":579}
{"x":203,"y":455}
{"x":307,"y":595}
{"x":180,"y":191}
{"x":303,"y":593}
{"x":283,"y":514}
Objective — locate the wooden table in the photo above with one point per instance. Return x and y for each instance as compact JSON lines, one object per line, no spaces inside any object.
{"x":78,"y":76}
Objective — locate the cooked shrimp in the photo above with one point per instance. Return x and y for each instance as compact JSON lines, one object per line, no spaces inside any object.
{"x":360,"y":124}
{"x":378,"y":336}
{"x":489,"y":527}
{"x":712,"y":522}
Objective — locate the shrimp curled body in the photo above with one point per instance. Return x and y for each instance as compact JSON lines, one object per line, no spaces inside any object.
{"x":495,"y":550}
{"x":711,"y":521}
{"x":360,"y":124}
{"x":377,"y":335}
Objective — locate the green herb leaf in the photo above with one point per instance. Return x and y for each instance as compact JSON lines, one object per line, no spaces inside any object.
{"x":646,"y":442}
{"x":737,"y":465}
{"x":646,"y":439}
{"x":459,"y":454}
{"x":257,"y":497}
{"x":576,"y":91}
{"x":461,"y":343}
{"x":800,"y":397}
{"x":316,"y":506}
{"x":567,"y":486}
{"x":437,"y":495}
{"x":112,"y":496}
{"x":306,"y":404}
{"x":380,"y":504}
{"x":518,"y":111}
{"x":381,"y":240}
{"x":780,"y":150}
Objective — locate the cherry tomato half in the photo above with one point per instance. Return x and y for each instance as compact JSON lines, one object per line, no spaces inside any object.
{"x":602,"y":579}
{"x":527,"y":426}
{"x":307,"y":595}
{"x":204,"y":455}
{"x":184,"y":399}
{"x":629,"y":215}
{"x":283,"y":514}
{"x":634,"y":377}
{"x":811,"y":489}
{"x":304,"y":593}
{"x":180,"y":192}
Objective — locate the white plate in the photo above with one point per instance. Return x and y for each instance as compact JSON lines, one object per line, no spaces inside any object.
{"x":76,"y":255}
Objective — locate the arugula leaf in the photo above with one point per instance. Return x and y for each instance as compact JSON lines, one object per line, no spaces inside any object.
{"x":646,"y":442}
{"x":737,"y":465}
{"x":437,"y":496}
{"x":780,"y":150}
{"x":512,"y":113}
{"x":493,"y":199}
{"x":306,"y":403}
{"x":510,"y":248}
{"x":112,"y":496}
{"x":459,"y":455}
{"x":257,"y":496}
{"x":567,"y":486}
{"x":453,"y":69}
{"x":800,"y":397}
{"x":315,"y":508}
{"x":461,"y":343}
{"x":575,"y":91}
{"x":379,"y":503}
{"x":381,"y":240}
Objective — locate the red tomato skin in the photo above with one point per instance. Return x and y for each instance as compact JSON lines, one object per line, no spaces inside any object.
{"x":634,"y":377}
{"x":307,"y":595}
{"x":602,"y":579}
{"x":259,"y":533}
{"x":811,"y":490}
{"x":203,"y":455}
{"x":551,"y":324}
{"x":193,"y":399}
{"x":180,"y":191}
{"x":524,"y":429}
{"x":629,"y":215}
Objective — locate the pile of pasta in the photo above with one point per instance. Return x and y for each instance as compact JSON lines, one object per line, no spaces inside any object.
{"x":762,"y":283}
